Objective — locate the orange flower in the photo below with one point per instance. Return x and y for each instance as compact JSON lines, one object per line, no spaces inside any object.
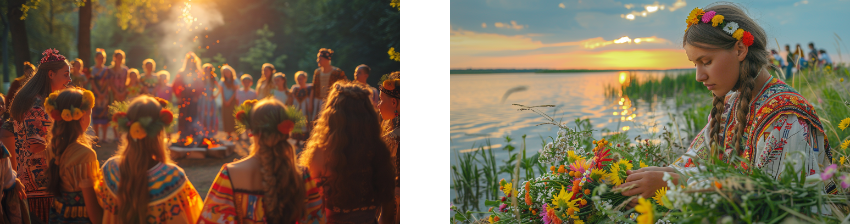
{"x":561,"y":169}
{"x":718,"y":185}
{"x":587,"y":191}
{"x":527,"y":196}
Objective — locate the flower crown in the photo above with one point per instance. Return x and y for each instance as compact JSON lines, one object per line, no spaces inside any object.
{"x":69,"y":114}
{"x":698,"y":15}
{"x":144,"y":126}
{"x":388,"y":85}
{"x":51,"y":55}
{"x":293,"y":121}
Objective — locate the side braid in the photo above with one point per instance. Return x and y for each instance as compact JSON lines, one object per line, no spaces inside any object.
{"x":716,"y":112}
{"x":749,"y":72}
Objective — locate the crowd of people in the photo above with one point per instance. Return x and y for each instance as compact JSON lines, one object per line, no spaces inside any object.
{"x":798,"y":60}
{"x":347,"y":172}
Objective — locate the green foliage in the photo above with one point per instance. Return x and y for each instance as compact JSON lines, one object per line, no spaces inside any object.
{"x":263,"y":51}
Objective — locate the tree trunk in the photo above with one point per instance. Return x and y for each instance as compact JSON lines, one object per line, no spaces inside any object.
{"x":19,"y":35}
{"x":84,"y":40}
{"x":5,"y":39}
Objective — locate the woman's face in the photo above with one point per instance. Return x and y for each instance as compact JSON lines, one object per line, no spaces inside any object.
{"x":228,"y":76}
{"x":717,"y":69}
{"x":163,"y":79}
{"x":388,"y":106}
{"x":148,"y":67}
{"x":302,"y":80}
{"x":133,"y":77}
{"x":279,"y":82}
{"x":75,"y":67}
{"x":98,"y":58}
{"x":208,"y":70}
{"x":118,"y":59}
{"x":59,"y":79}
{"x":323,"y":61}
{"x":267,"y":72}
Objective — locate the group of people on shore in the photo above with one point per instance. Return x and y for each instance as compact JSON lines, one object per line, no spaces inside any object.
{"x":347,"y":172}
{"x":798,"y":60}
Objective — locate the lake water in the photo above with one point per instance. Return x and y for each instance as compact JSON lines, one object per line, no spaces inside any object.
{"x":478,"y":113}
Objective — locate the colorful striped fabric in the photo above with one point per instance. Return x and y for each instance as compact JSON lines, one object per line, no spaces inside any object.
{"x":224,"y":204}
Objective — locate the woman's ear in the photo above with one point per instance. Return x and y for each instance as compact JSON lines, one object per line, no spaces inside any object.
{"x":395,"y":102}
{"x":50,"y":74}
{"x":742,"y":50}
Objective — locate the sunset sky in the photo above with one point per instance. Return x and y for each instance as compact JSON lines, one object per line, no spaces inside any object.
{"x":610,"y":34}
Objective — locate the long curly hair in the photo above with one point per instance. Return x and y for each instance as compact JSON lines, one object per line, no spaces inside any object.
{"x":283,"y":186}
{"x":64,"y":133}
{"x":134,"y":158}
{"x":703,"y":35}
{"x":357,"y":164}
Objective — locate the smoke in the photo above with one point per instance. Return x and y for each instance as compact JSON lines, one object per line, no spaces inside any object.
{"x":189,"y":24}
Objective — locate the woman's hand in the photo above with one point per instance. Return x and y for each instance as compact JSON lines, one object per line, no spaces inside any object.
{"x":646,"y":181}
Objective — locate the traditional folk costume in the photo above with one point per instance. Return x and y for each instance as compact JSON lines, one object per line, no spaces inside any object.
{"x":13,"y":209}
{"x":226,"y":204}
{"x":207,"y":113}
{"x":76,"y":162}
{"x":173,"y":199}
{"x":780,"y":121}
{"x":32,"y":167}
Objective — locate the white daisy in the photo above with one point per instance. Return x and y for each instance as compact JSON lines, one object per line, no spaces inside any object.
{"x":730,"y":27}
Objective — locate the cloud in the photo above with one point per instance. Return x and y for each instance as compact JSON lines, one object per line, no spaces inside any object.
{"x":599,"y":42}
{"x":464,"y":42}
{"x":803,"y":2}
{"x":513,"y":25}
{"x":562,"y":5}
{"x":653,"y":8}
{"x":611,"y":59}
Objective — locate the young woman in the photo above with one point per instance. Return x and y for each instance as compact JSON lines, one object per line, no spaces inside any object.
{"x":133,"y":86}
{"x":280,"y":91}
{"x":74,"y":166}
{"x":755,"y":116}
{"x":32,"y":124}
{"x":208,"y":108}
{"x":163,"y":89}
{"x":326,"y":75}
{"x":264,"y":84}
{"x":14,"y":197}
{"x":100,"y":87}
{"x":268,"y":186}
{"x":390,"y":108}
{"x":118,"y":72}
{"x":188,"y":88}
{"x":7,"y":131}
{"x":229,"y":87}
{"x":302,"y":98}
{"x":149,"y":79}
{"x":78,"y":78}
{"x":140,"y":183}
{"x":356,"y":172}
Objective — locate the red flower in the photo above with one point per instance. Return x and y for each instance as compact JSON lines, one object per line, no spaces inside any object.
{"x":240,"y":115}
{"x":166,"y":116}
{"x":285,"y":127}
{"x":600,"y":157}
{"x":118,"y":115}
{"x":747,"y":39}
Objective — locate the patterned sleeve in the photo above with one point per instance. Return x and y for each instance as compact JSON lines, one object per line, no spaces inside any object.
{"x":788,"y":140}
{"x":36,"y":125}
{"x":314,"y":206}
{"x":219,"y":206}
{"x":685,"y":165}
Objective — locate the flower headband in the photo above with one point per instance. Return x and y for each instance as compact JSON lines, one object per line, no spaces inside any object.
{"x":71,"y":113}
{"x":390,"y":89}
{"x":142,"y":127}
{"x":51,"y":55}
{"x":293,"y":123}
{"x":698,"y":15}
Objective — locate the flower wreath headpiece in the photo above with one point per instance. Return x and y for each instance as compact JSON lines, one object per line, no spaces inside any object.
{"x":293,"y":123}
{"x":144,"y":126}
{"x":698,"y":15}
{"x":51,"y":55}
{"x":68,"y":114}
{"x":388,"y":85}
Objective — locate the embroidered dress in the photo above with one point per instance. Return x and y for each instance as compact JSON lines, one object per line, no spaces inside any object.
{"x":322,"y":82}
{"x":301,"y":98}
{"x":133,"y":91}
{"x":76,"y":162}
{"x":32,"y":167}
{"x":226,"y":204}
{"x":173,"y":199}
{"x":780,"y":122}
{"x":229,"y":96}
{"x":117,"y":81}
{"x":207,"y":113}
{"x":99,"y":83}
{"x":149,"y":82}
{"x":392,"y":138}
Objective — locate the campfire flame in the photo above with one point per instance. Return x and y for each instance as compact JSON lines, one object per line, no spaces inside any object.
{"x":189,"y":140}
{"x":210,"y":143}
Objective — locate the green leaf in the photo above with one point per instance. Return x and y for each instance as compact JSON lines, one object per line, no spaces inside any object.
{"x":490,"y":203}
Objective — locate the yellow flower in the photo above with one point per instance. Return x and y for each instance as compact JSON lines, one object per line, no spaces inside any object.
{"x":660,"y":194}
{"x":841,"y":80}
{"x":717,"y":20}
{"x":642,"y":165}
{"x":738,"y":34}
{"x":645,"y":209}
{"x":841,"y":161}
{"x":137,"y":131}
{"x":47,"y":107}
{"x":77,"y":114}
{"x":573,"y":156}
{"x":845,"y":144}
{"x":67,"y":115}
{"x":508,"y":189}
{"x":693,"y":18}
{"x":563,"y":199}
{"x":578,"y":221}
{"x":844,"y":123}
{"x":490,"y":219}
{"x":618,"y":171}
{"x":598,"y":174}
{"x":88,"y":99}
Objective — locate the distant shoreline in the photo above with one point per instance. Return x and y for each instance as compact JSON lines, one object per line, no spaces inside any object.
{"x":496,"y":71}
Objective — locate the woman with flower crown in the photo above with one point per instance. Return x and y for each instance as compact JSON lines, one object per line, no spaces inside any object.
{"x":140,"y":183}
{"x":100,"y":87}
{"x":208,"y":107}
{"x":32,"y":124}
{"x":187,"y":88}
{"x":268,"y":186}
{"x":389,"y":108}
{"x":74,"y":167}
{"x":758,"y":121}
